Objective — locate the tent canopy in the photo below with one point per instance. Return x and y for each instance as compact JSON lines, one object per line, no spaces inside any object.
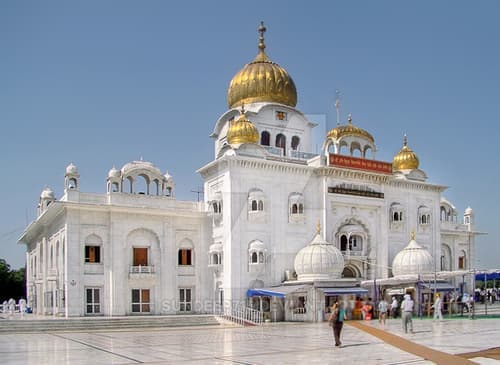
{"x":276,"y":291}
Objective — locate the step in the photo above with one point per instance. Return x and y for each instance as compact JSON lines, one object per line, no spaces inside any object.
{"x":94,"y":323}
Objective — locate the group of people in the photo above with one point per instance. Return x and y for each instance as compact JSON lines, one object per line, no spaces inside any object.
{"x":338,"y":315}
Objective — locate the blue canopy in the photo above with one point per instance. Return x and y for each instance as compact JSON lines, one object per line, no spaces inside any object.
{"x":340,"y":291}
{"x":489,"y":276}
{"x":277,"y":291}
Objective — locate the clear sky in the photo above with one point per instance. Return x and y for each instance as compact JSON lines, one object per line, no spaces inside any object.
{"x":102,"y":83}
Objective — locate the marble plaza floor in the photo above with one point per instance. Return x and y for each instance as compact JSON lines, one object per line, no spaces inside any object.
{"x":281,"y":343}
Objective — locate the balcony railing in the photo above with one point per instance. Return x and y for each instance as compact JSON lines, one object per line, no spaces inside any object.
{"x":142,"y":269}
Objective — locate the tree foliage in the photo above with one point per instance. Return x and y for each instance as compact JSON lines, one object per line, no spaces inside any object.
{"x":12,"y":282}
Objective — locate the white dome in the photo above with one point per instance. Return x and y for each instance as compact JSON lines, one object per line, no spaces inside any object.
{"x":47,"y":193}
{"x":320,"y":260}
{"x":413,"y":259}
{"x":114,"y":172}
{"x":468,"y":211}
{"x":71,"y":169}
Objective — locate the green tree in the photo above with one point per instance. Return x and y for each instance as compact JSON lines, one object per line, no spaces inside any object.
{"x":12,"y":282}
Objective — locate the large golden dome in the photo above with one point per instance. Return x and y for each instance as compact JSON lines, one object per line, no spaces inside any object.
{"x":349,"y":130}
{"x":406,"y":159}
{"x":261,"y":80}
{"x":242,"y":131}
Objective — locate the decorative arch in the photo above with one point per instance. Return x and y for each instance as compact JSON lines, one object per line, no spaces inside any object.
{"x":445,"y":260}
{"x":351,"y":271}
{"x":348,"y":231}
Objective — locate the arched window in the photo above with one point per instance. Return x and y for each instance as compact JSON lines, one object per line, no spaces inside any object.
{"x":424,"y":216}
{"x":296,"y":207}
{"x":254,"y":258}
{"x":281,"y":142}
{"x":115,"y":187}
{"x":261,"y":205}
{"x":256,"y":253}
{"x":254,"y":205}
{"x":215,"y":259}
{"x":168,"y":191}
{"x":462,"y":261}
{"x":184,"y":257}
{"x":343,"y":243}
{"x":142,"y":185}
{"x":295,"y":142}
{"x":265,"y":138}
{"x":72,"y":183}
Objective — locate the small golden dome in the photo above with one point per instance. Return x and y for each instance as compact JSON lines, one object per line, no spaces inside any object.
{"x":261,"y":80}
{"x":406,"y":159}
{"x":242,"y":131}
{"x":349,"y":130}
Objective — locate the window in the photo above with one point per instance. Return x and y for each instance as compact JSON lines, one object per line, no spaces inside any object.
{"x":281,"y":142}
{"x":115,"y":187}
{"x":281,"y":116}
{"x":184,"y":257}
{"x":141,"y":301}
{"x":256,"y":253}
{"x":140,"y":256}
{"x":257,"y":205}
{"x":93,"y":301}
{"x":254,"y":258}
{"x":185,"y":299}
{"x":93,"y":254}
{"x":295,"y":143}
{"x":72,"y":183}
{"x":168,"y":191}
{"x":265,"y":138}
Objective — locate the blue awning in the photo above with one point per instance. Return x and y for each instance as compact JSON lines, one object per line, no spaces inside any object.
{"x":489,"y":276}
{"x":277,"y":291}
{"x":340,"y":291}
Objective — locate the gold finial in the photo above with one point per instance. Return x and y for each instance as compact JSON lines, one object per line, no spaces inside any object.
{"x":405,"y":140}
{"x":349,"y":118}
{"x":262,"y":30}
{"x":412,"y":235}
{"x":242,"y":111}
{"x":318,"y":227}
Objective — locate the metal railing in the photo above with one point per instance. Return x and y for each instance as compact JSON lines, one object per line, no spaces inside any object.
{"x":142,"y":269}
{"x":240,"y":314}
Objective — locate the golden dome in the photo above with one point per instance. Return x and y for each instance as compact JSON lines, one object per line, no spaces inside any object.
{"x":261,"y":80}
{"x":242,"y":131}
{"x":406,"y":159}
{"x":349,"y":130}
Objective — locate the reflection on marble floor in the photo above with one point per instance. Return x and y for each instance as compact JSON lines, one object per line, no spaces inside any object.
{"x":283,"y":343}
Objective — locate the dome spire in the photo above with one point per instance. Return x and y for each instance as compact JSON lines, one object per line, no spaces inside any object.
{"x":262,"y":30}
{"x":412,"y":235}
{"x":318,"y":227}
{"x":405,"y":140}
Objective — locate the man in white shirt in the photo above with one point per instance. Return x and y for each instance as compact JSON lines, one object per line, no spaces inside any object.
{"x":407,"y":312}
{"x":394,"y":307}
{"x":437,"y":308}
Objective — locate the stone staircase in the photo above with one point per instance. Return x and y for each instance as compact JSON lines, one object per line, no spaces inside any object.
{"x":29,"y":324}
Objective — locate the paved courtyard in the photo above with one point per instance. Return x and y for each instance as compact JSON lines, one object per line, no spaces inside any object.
{"x":281,"y":343}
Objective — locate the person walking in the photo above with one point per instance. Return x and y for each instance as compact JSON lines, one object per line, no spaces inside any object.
{"x":394,"y":307}
{"x":437,"y":308}
{"x":382,"y":311}
{"x":407,"y":313}
{"x":337,"y":321}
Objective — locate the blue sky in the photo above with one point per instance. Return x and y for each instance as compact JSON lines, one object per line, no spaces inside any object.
{"x":102,"y":83}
